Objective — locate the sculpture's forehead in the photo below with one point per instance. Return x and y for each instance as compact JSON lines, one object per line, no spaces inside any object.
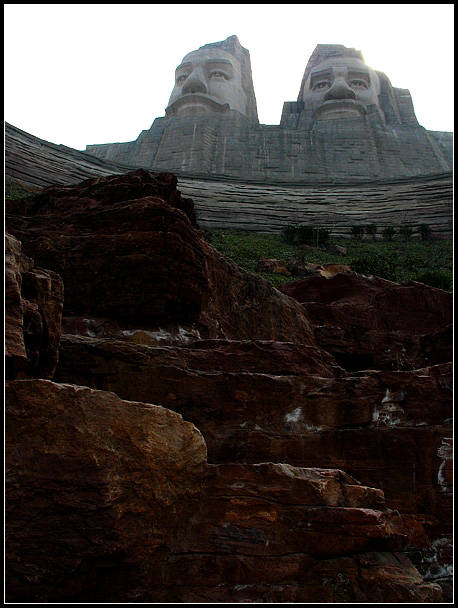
{"x":210,"y":53}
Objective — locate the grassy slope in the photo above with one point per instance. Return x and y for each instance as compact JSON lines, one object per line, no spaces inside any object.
{"x":429,"y":262}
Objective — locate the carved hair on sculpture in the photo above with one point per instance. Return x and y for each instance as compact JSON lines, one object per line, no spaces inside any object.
{"x":214,"y":79}
{"x":337,"y":83}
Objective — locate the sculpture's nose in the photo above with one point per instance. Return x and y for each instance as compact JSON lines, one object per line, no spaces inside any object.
{"x":194,"y":84}
{"x":339,"y":90}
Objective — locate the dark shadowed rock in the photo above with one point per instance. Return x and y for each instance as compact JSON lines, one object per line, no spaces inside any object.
{"x":97,"y":488}
{"x":33,"y":314}
{"x":110,"y":498}
{"x":104,"y":191}
{"x":369,"y":322}
{"x":113,"y":501}
{"x":140,"y":260}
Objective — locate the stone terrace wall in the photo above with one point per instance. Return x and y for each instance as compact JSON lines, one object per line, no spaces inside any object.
{"x":245,"y":205}
{"x":36,"y":163}
{"x":268,"y":208}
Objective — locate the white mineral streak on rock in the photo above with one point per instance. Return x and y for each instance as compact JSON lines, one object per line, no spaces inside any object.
{"x":389,"y":413}
{"x":178,"y":335}
{"x":294,"y":416}
{"x":445,"y":452}
{"x":432,"y":558}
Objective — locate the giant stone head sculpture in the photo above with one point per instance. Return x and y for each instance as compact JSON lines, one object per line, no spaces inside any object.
{"x":214,"y":79}
{"x":337,"y":83}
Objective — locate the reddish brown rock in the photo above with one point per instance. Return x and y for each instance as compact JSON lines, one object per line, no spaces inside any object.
{"x":326,"y":270}
{"x":272,"y":265}
{"x":104,"y":191}
{"x":301,"y":579}
{"x":331,"y":270}
{"x":279,"y":402}
{"x":242,"y":306}
{"x":112,"y":501}
{"x":33,"y":314}
{"x":97,"y":490}
{"x":156,"y":315}
{"x":387,"y":428}
{"x":141,"y":261}
{"x":248,"y":516}
{"x":368,"y":322}
{"x":136,"y":260}
{"x":15,"y":265}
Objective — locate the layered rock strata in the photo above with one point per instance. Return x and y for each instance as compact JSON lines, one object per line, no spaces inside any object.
{"x":371,"y":322}
{"x":247,"y":205}
{"x":115,"y":502}
{"x":197,"y":442}
{"x":33,"y":315}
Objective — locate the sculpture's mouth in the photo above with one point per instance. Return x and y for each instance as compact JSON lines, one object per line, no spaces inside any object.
{"x":340,"y":108}
{"x":195,"y":103}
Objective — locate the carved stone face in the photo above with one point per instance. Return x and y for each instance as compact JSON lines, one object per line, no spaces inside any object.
{"x":341,"y":87}
{"x":207,"y":81}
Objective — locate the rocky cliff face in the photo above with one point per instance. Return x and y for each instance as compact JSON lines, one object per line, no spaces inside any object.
{"x":180,"y":431}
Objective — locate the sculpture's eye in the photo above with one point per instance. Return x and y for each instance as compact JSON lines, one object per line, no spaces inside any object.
{"x":319,"y":86}
{"x":358,"y":84}
{"x":181,"y":78}
{"x":218,"y":75}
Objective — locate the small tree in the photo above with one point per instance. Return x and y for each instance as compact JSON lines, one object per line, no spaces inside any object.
{"x":371,"y":230}
{"x":289,"y":234}
{"x":425,"y":232}
{"x":388,"y":233}
{"x":321,"y":235}
{"x":357,"y":232}
{"x":405,"y":231}
{"x":295,"y":234}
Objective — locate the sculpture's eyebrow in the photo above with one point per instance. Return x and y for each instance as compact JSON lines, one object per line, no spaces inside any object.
{"x":320,"y":73}
{"x":220,"y":64}
{"x":361,"y":73}
{"x":186,"y":64}
{"x":223,"y":61}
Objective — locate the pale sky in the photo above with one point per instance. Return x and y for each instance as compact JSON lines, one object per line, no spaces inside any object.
{"x":78,"y":74}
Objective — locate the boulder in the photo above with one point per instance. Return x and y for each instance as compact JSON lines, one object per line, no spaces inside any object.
{"x":270,"y":401}
{"x":368,"y":322}
{"x":277,"y":533}
{"x":102,"y":192}
{"x":33,"y":314}
{"x":141,"y":262}
{"x":113,"y":501}
{"x":273,"y":266}
{"x":97,"y":490}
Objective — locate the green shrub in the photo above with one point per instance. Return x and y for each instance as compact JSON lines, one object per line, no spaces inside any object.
{"x":288,"y":233}
{"x":388,"y":233}
{"x":436,"y":278}
{"x":371,"y":230}
{"x":357,"y":232}
{"x":383,"y":266}
{"x":425,"y":232}
{"x":295,"y":234}
{"x":405,"y":231}
{"x":17,"y":191}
